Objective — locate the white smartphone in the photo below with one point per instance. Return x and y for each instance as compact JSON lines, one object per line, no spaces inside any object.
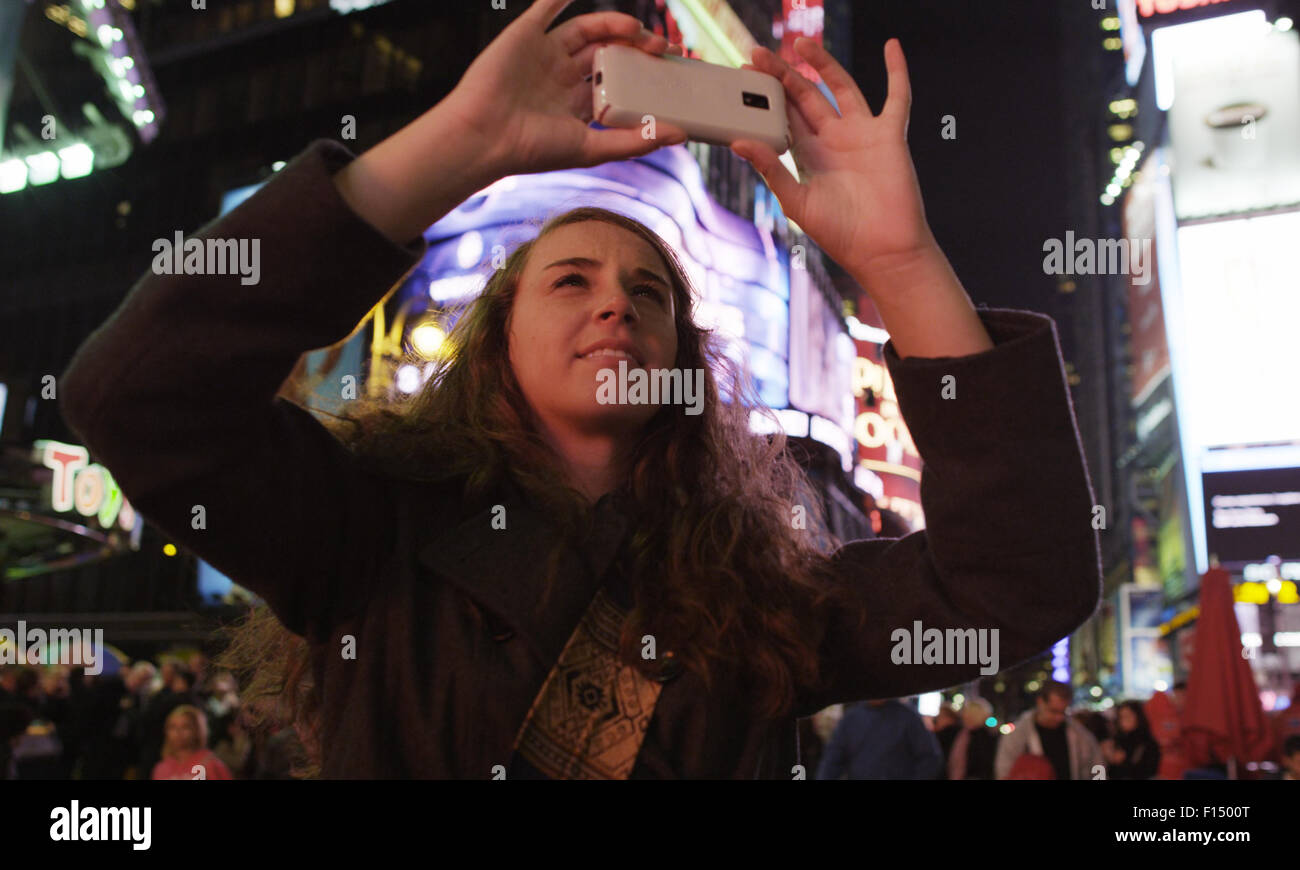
{"x":712,"y":103}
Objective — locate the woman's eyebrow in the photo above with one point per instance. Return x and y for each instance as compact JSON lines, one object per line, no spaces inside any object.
{"x":588,"y":262}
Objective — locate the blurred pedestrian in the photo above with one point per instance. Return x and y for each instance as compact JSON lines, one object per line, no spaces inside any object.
{"x":1096,"y":723}
{"x":947,"y":725}
{"x":18,"y":706}
{"x":1133,"y":753}
{"x":185,"y":753}
{"x":1286,"y":721}
{"x":1291,"y":757}
{"x":976,"y":746}
{"x":881,"y":740}
{"x":1047,"y":744}
{"x":1164,"y":716}
{"x":234,"y":747}
{"x":177,"y":691}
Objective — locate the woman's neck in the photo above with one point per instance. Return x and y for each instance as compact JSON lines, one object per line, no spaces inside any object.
{"x":594,"y":463}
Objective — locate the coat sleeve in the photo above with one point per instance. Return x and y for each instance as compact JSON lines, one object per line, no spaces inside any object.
{"x":176,"y":395}
{"x":1009,"y":545}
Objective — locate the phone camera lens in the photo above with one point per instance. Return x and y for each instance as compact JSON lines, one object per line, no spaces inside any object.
{"x":758,"y":101}
{"x":599,"y":76}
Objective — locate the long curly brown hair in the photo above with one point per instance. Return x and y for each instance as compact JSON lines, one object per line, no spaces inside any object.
{"x":724,"y":572}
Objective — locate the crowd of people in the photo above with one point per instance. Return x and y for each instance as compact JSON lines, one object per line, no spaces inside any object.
{"x":891,"y":740}
{"x":170,"y":720}
{"x":175,"y":720}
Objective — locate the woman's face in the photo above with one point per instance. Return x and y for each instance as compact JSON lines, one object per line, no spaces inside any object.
{"x":614,"y":288}
{"x":1127,"y":721}
{"x":181,"y":733}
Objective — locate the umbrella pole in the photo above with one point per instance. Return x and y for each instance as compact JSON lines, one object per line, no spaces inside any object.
{"x":1232,"y":767}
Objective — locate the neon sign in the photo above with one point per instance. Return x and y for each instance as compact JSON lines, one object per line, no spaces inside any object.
{"x":884,"y":426}
{"x":84,"y":486}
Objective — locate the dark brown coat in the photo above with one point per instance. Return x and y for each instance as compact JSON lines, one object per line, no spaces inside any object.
{"x":175,"y":394}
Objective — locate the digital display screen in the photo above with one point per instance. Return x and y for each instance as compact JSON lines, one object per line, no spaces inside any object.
{"x":1252,"y":514}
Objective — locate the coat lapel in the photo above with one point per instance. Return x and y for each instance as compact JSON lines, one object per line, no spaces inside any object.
{"x":504,"y":570}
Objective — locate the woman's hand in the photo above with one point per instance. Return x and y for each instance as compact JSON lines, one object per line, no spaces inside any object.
{"x":858,"y":197}
{"x":527,"y":101}
{"x":860,"y":202}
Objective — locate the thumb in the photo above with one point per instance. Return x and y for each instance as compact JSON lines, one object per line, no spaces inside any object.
{"x":768,"y":164}
{"x":621,"y":143}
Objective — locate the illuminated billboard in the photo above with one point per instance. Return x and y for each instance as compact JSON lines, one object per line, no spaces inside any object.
{"x":1240,"y":313}
{"x":1232,"y":330}
{"x":1231,"y":86}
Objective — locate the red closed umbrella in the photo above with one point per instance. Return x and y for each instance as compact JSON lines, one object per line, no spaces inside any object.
{"x":1222,"y":713}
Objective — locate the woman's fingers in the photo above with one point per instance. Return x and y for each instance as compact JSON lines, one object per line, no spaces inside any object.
{"x":544,"y":12}
{"x":836,"y":77}
{"x":800,"y":129}
{"x":812,"y":102}
{"x":577,"y":33}
{"x":601,"y":146}
{"x":898,"y":105}
{"x":768,"y":164}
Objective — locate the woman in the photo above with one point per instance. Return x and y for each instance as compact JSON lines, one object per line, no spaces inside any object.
{"x":185,"y":753}
{"x":1134,"y":753}
{"x":512,"y":578}
{"x":976,"y":747}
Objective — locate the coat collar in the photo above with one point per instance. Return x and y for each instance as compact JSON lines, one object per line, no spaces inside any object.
{"x":504,"y":570}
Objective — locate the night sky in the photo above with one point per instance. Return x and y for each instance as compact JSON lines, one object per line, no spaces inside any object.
{"x":1000,"y":188}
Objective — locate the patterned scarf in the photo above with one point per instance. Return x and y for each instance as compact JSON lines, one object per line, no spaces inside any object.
{"x":591,"y":716}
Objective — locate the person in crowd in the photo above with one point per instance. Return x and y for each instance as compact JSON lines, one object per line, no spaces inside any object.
{"x":1047,"y":743}
{"x":221,"y":704}
{"x":234,"y":746}
{"x":947,"y":725}
{"x":1164,"y":715}
{"x":1286,"y":721}
{"x":1291,"y":757}
{"x":18,"y":706}
{"x":881,"y":740}
{"x":975,"y":747}
{"x":138,"y":682}
{"x":1133,"y":753}
{"x":58,"y":709}
{"x":177,"y":691}
{"x":185,"y":753}
{"x":514,"y":515}
{"x":1096,"y":723}
{"x":103,"y":754}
